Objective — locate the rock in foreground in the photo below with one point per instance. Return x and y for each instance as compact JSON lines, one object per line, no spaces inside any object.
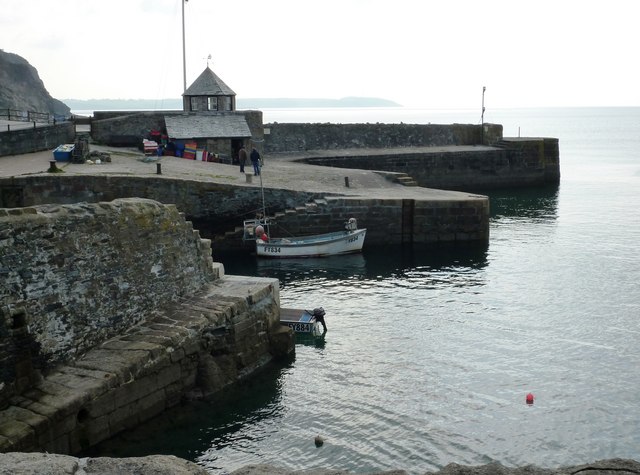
{"x":602,"y":467}
{"x":15,"y":463}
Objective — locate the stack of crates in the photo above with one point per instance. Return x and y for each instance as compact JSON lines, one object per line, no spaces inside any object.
{"x":190,"y":150}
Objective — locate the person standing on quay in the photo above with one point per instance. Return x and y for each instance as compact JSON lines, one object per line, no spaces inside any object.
{"x":242,"y":158}
{"x":255,"y":159}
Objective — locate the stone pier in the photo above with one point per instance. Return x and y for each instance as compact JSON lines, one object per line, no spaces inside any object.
{"x":113,"y":312}
{"x":192,"y":349}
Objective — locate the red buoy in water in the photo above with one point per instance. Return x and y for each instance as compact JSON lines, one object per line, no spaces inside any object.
{"x":529,"y":398}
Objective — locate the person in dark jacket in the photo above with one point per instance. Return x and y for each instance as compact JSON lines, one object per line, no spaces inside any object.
{"x":242,"y":158}
{"x":255,"y":159}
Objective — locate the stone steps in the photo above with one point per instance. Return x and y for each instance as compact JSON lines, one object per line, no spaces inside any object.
{"x":312,"y":207}
{"x":136,"y":376}
{"x":405,"y":180}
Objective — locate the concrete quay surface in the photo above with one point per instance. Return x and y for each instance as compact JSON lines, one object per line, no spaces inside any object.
{"x":279,"y":171}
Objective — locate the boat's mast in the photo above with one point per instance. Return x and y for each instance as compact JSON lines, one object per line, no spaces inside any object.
{"x":482,"y":116}
{"x":264,"y":208}
{"x":184,"y":52}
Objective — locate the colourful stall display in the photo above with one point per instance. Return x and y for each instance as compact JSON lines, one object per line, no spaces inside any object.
{"x":190,"y":150}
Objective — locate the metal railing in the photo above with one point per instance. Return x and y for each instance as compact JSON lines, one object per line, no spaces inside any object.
{"x":27,"y":116}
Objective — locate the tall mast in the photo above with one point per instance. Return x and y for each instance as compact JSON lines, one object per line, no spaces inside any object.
{"x":482,"y":116}
{"x":184,"y":52}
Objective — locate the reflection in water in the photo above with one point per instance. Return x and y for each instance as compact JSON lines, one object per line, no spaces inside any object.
{"x":307,"y":339}
{"x":200,"y":428}
{"x":339,"y":266}
{"x":526,"y":203}
{"x":374,"y":263}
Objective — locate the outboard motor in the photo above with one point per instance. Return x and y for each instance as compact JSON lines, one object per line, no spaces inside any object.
{"x":351,"y":225}
{"x":318,"y":314}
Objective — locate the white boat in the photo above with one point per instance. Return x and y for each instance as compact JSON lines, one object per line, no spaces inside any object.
{"x":351,"y":239}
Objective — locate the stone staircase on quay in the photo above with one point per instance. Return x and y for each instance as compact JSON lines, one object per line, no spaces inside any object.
{"x":311,"y":207}
{"x":405,"y":179}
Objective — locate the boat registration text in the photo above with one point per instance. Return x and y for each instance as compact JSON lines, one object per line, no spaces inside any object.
{"x":300,"y":327}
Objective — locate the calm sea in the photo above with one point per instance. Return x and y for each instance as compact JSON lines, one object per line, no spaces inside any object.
{"x":431,"y":352}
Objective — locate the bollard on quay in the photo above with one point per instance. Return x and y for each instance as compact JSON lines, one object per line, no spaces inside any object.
{"x":346,"y":181}
{"x":158,"y":168}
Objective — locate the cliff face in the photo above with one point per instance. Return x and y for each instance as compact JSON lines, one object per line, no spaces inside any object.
{"x":22,"y":89}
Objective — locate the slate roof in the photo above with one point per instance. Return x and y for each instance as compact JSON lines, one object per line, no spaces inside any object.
{"x":203,"y":126}
{"x":208,"y":84}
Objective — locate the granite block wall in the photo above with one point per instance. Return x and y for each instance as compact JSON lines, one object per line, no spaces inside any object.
{"x":216,"y":208}
{"x":299,"y":137}
{"x":73,"y":276}
{"x":394,"y":221}
{"x":191,"y":349}
{"x":207,"y":203}
{"x":516,"y":162}
{"x":16,"y":142}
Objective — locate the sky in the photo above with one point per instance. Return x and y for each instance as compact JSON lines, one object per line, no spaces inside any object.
{"x":436,"y":54}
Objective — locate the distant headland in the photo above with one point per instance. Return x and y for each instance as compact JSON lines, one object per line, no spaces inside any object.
{"x":242,"y":103}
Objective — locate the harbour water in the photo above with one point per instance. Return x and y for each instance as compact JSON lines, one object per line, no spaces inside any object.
{"x":430,"y":352}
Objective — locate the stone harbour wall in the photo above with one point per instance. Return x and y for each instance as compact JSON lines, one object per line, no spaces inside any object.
{"x":421,"y":151}
{"x":299,"y":137}
{"x":125,"y":129}
{"x":206,"y":201}
{"x":16,"y":142}
{"x":516,"y":162}
{"x":394,"y":221}
{"x":112,"y":312}
{"x":215,"y":208}
{"x":74,"y":276}
{"x":188,"y":349}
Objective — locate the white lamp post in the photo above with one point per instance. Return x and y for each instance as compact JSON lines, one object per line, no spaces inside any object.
{"x":184,"y":53}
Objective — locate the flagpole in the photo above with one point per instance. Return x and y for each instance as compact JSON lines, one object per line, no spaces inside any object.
{"x":482,"y":116}
{"x":184,"y":52}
